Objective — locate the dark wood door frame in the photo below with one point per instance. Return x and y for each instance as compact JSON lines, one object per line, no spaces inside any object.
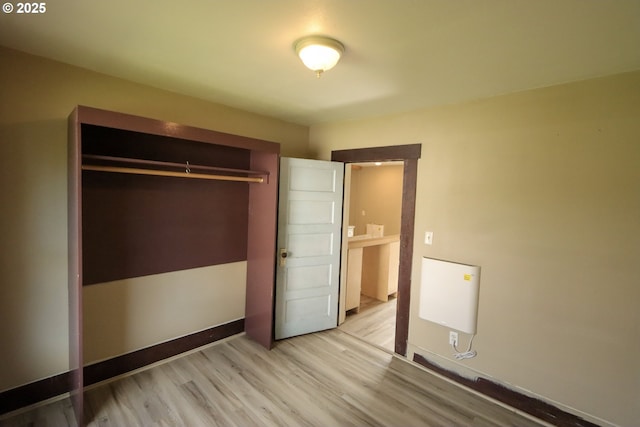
{"x":409,"y":154}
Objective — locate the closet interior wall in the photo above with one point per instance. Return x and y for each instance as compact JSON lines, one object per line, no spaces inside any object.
{"x":136,"y":225}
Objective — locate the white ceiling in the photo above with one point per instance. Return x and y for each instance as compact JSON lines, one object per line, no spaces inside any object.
{"x":400,"y":54}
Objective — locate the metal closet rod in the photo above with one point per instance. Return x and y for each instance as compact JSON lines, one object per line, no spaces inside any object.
{"x":186,"y":174}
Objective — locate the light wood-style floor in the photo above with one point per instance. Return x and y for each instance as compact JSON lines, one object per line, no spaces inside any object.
{"x":375,"y":322}
{"x":328,"y":378}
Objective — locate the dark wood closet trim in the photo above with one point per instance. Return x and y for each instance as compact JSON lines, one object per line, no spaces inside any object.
{"x":530,"y":405}
{"x":410,"y":155}
{"x":74,"y":230}
{"x":123,"y":121}
{"x":57,"y":385}
{"x":261,"y":279}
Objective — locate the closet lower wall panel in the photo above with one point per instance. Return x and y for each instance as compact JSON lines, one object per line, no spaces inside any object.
{"x":130,"y":314}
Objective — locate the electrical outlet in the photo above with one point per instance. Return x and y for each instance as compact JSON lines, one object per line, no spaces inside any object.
{"x":453,"y":338}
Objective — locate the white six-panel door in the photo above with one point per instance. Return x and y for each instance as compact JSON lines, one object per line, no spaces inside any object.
{"x":309,"y":233}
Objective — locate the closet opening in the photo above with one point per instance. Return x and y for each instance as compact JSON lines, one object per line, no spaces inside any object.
{"x":172,"y":235}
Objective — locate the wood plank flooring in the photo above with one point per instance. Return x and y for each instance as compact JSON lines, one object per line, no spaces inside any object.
{"x":328,"y":378}
{"x":375,"y":322}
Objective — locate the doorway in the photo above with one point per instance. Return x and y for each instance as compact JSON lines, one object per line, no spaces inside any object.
{"x":373,"y":201}
{"x":409,"y":155}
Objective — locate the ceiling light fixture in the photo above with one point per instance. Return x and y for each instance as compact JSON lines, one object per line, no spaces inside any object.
{"x":319,"y":53}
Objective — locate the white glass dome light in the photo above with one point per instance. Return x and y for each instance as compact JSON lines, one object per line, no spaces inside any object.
{"x":319,"y":53}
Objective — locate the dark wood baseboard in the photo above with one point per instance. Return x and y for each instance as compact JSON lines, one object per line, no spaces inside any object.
{"x":47,"y":388}
{"x":131,"y":361}
{"x":31,"y":393}
{"x":532,"y":406}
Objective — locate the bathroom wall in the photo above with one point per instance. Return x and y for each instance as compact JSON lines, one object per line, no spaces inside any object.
{"x":376,"y":197}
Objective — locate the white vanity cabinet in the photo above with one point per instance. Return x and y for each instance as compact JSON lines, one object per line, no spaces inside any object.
{"x":372,"y":268}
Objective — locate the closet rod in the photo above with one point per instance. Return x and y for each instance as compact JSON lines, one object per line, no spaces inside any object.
{"x":137,"y":171}
{"x":170,"y":164}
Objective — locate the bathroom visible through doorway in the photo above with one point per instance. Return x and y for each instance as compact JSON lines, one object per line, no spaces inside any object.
{"x":375,"y":204}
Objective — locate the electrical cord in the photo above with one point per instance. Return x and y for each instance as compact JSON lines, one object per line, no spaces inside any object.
{"x":467,"y":354}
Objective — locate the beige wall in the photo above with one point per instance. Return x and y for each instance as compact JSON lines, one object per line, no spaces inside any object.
{"x":542,"y":190}
{"x":36,"y":96}
{"x":376,"y":191}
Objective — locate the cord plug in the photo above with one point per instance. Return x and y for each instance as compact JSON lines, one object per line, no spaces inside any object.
{"x":462,"y":355}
